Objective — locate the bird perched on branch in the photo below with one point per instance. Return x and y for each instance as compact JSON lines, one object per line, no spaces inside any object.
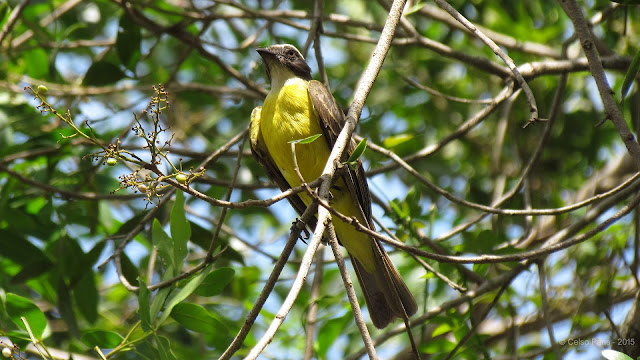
{"x":297,"y":108}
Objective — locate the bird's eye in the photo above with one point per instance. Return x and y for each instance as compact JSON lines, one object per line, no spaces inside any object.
{"x":291,"y":54}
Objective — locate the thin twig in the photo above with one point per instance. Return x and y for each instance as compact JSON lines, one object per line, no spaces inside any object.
{"x":351,"y":294}
{"x":51,"y":17}
{"x":476,"y":324}
{"x":362,"y":90}
{"x":295,"y":289}
{"x":312,"y":314}
{"x":574,"y":12}
{"x":69,"y":194}
{"x":542,"y":279}
{"x":554,"y":244}
{"x":423,"y":263}
{"x":11,"y":21}
{"x":496,"y":50}
{"x":489,"y":285}
{"x":223,"y":213}
{"x":267,"y":289}
{"x":461,"y":131}
{"x":150,"y":215}
{"x":505,"y":40}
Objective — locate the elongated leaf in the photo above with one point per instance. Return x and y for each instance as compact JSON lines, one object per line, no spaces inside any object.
{"x":307,"y":140}
{"x":131,"y":223}
{"x":196,"y":318}
{"x":129,"y":269}
{"x":164,"y":244}
{"x":329,"y":332}
{"x":215,"y":282}
{"x":146,"y":350}
{"x":615,"y":355}
{"x":358,"y":151}
{"x":143,"y":305}
{"x":88,"y":260}
{"x":37,"y":63}
{"x":86,"y":295}
{"x":101,"y":338}
{"x":3,"y":10}
{"x":128,"y":42}
{"x":20,"y":250}
{"x":395,"y":140}
{"x":164,"y":348}
{"x":18,"y":306}
{"x":627,"y":2}
{"x":102,"y":73}
{"x":158,"y":302}
{"x":180,"y":230}
{"x":632,"y":71}
{"x":65,"y":306}
{"x":180,"y":294}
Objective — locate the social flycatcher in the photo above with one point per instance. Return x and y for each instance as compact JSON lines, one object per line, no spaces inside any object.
{"x":297,"y":108}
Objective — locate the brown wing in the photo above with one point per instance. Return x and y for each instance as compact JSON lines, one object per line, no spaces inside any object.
{"x":332,"y":120}
{"x":385,"y":292}
{"x":260,"y":153}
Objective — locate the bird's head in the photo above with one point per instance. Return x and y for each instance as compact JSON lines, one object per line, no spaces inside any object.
{"x":283,"y":62}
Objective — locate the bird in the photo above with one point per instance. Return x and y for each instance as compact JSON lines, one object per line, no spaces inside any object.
{"x":298,"y":107}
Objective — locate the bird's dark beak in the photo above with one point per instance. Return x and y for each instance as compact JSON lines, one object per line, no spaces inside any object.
{"x":266,"y":53}
{"x":268,"y":57}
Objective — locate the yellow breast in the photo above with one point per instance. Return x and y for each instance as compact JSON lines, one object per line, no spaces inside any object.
{"x":288,"y":114}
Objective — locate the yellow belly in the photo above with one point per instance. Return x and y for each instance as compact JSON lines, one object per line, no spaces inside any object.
{"x":288,"y":115}
{"x":293,"y":119}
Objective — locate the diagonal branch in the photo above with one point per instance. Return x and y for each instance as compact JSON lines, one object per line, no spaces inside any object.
{"x":15,"y":14}
{"x":496,"y":50}
{"x":611,"y":110}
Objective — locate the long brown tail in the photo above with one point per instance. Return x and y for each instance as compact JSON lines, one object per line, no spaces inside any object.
{"x":385,"y":293}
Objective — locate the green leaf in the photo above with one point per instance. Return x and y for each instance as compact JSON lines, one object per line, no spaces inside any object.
{"x":196,"y":318}
{"x":393,"y":141}
{"x":102,"y":73}
{"x":441,"y":329}
{"x":146,"y":350}
{"x":437,"y":346}
{"x":164,"y":348}
{"x":627,"y":2}
{"x":158,"y":302}
{"x":484,"y":242}
{"x":3,"y":10}
{"x":101,"y":338}
{"x":164,"y":244}
{"x":399,"y":208}
{"x":329,"y":332}
{"x":128,"y":42}
{"x":69,"y":250}
{"x":413,"y":9}
{"x":215,"y":282}
{"x":358,"y":151}
{"x":615,"y":355}
{"x":88,"y":260}
{"x":180,"y":231}
{"x":143,"y":305}
{"x":130,"y":224}
{"x":20,"y":250}
{"x":18,"y":306}
{"x":307,"y":140}
{"x":31,"y":271}
{"x":65,"y":306}
{"x":37,"y":63}
{"x":86,"y":296}
{"x":181,"y":294}
{"x":129,"y":269}
{"x":630,"y":76}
